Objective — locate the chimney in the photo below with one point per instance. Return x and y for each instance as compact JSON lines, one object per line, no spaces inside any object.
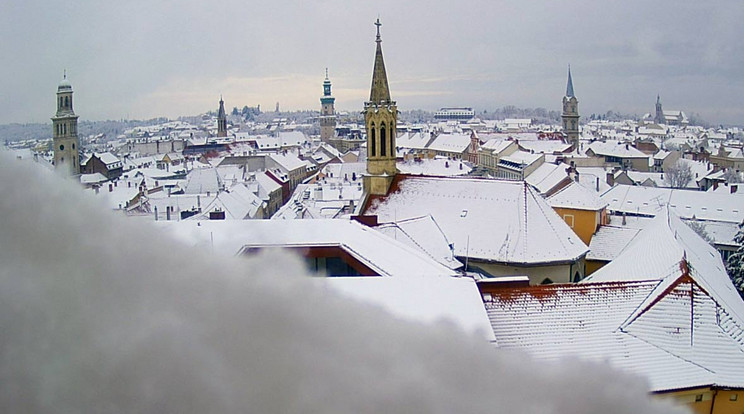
{"x":715,"y":185}
{"x":111,"y":188}
{"x":576,"y":176}
{"x":734,"y":188}
{"x":610,"y":178}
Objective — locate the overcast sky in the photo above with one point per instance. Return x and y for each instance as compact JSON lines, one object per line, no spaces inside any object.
{"x":144,"y":58}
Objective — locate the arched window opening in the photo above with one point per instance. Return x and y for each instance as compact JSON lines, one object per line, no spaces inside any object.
{"x":67,"y":101}
{"x":392,"y":141}
{"x":373,"y":138}
{"x":383,"y":141}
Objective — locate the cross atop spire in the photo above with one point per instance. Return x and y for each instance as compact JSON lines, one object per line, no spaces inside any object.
{"x":64,"y":74}
{"x":378,"y":24}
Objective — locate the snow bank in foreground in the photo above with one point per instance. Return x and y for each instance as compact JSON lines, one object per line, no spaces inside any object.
{"x":101,"y":314}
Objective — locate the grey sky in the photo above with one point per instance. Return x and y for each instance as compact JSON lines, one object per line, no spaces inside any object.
{"x":138,"y":59}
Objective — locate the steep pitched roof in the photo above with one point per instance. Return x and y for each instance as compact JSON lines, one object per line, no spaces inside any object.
{"x":657,"y":252}
{"x":425,"y":234}
{"x":492,"y":220}
{"x":683,"y":339}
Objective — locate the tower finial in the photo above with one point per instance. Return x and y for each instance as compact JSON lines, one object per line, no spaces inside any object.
{"x":378,"y":24}
{"x":64,"y":74}
{"x":326,"y":73}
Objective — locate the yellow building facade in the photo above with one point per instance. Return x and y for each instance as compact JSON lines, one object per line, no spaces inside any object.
{"x":709,"y":400}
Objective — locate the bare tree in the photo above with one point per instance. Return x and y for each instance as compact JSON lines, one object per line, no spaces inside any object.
{"x":678,"y":175}
{"x":732,"y":176}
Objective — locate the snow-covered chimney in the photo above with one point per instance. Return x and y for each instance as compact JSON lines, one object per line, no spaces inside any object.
{"x":610,"y":178}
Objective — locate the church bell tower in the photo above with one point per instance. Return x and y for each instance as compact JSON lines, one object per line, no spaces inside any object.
{"x":327,"y":112}
{"x":570,"y":114}
{"x":221,"y":120}
{"x":380,"y":118}
{"x":65,"y":139}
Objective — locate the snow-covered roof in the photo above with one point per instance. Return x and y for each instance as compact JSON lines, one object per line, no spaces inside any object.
{"x":455,"y":143}
{"x":602,"y":322}
{"x":265,"y":182}
{"x":377,"y":251}
{"x":288,"y":161}
{"x":615,"y":149}
{"x":547,"y":146}
{"x":202,"y":180}
{"x":609,"y":241}
{"x":425,"y":234}
{"x":649,"y":201}
{"x":576,"y":196}
{"x":417,"y":140}
{"x":493,"y":220}
{"x":439,"y":166}
{"x":497,"y":145}
{"x":520,"y":158}
{"x":107,"y":158}
{"x":94,"y":178}
{"x":656,"y":253}
{"x":593,"y":178}
{"x":421,"y":299}
{"x":238,"y":203}
{"x":547,"y":177}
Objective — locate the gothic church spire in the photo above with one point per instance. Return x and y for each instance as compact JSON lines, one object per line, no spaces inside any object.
{"x":380,"y":92}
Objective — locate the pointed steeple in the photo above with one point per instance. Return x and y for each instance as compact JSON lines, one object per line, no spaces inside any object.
{"x":569,"y":85}
{"x":221,"y":110}
{"x":380,"y":91}
{"x":221,"y":119}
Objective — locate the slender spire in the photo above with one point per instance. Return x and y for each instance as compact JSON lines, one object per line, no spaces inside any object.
{"x":327,"y":74}
{"x":380,"y":92}
{"x":569,"y":86}
{"x":221,"y":110}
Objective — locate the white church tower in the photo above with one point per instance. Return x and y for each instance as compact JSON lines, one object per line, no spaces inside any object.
{"x":66,"y":143}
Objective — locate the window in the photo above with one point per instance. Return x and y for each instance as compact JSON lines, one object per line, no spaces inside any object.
{"x":383,"y":141}
{"x":733,"y":397}
{"x":392,"y":141}
{"x":698,"y":397}
{"x":372,"y":143}
{"x":569,"y":219}
{"x":61,"y":147}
